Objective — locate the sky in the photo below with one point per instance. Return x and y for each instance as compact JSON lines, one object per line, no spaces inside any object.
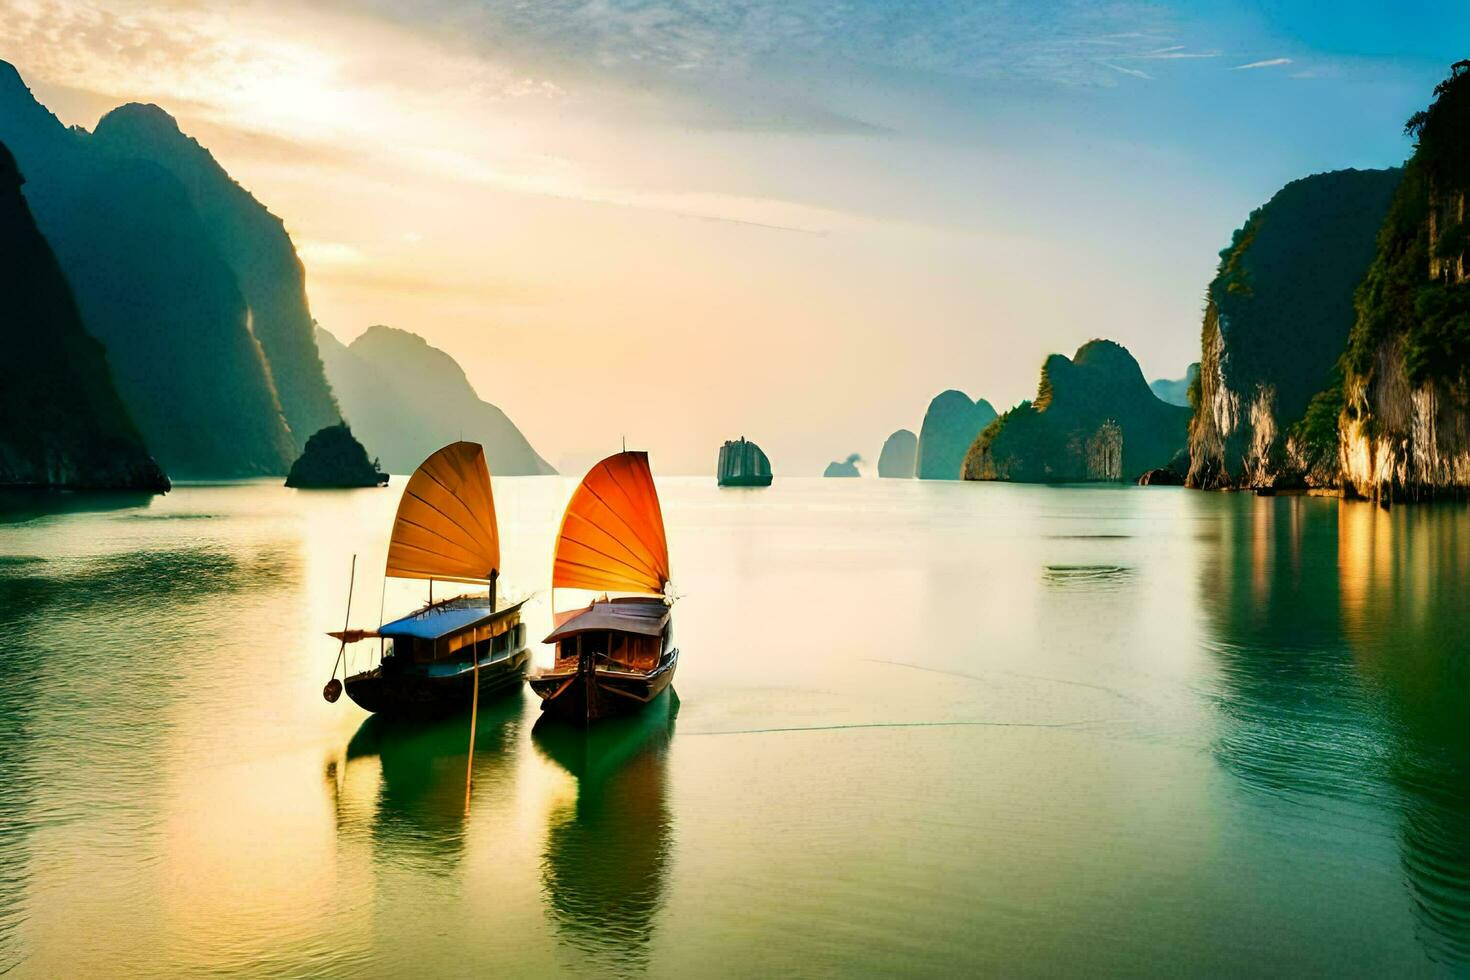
{"x":681,"y":222}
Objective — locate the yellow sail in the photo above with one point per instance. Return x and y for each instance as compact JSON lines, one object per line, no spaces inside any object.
{"x":445,"y":526}
{"x":612,"y":537}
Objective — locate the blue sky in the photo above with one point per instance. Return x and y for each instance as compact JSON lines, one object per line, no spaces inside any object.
{"x":869,"y":202}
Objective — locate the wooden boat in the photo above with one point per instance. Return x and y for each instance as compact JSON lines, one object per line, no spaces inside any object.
{"x":617,"y":654}
{"x":439,"y":659}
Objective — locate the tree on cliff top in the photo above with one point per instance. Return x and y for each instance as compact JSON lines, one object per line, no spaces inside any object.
{"x":1423,"y":233}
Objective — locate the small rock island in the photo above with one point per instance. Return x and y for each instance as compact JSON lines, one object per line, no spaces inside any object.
{"x":334,"y":459}
{"x":846,"y":468}
{"x":1094,"y":419}
{"x":743,"y":464}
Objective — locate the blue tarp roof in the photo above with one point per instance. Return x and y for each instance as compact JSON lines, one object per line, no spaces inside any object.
{"x":442,"y":620}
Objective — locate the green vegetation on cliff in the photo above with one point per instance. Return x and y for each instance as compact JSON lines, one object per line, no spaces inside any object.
{"x":64,"y":425}
{"x":1417,"y":292}
{"x":1094,"y":419}
{"x":1277,"y":316}
{"x":1405,"y":422}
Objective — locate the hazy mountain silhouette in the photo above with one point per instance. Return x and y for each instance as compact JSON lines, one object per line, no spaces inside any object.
{"x":899,"y":455}
{"x":846,"y":468}
{"x":406,"y":399}
{"x":1175,"y":391}
{"x":950,"y":426}
{"x":1094,"y":419}
{"x":153,"y":287}
{"x":64,"y":425}
{"x":255,"y":245}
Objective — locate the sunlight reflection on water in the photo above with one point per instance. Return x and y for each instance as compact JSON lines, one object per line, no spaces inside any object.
{"x":920,"y":728}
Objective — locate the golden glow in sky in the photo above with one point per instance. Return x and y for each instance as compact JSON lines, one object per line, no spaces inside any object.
{"x":628,"y":222}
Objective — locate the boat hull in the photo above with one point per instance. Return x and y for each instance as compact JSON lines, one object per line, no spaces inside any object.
{"x":584,"y":696}
{"x":416,"y":695}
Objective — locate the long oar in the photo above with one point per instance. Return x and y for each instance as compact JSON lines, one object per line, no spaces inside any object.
{"x":333,"y":690}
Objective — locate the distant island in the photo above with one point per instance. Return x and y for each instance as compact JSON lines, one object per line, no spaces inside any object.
{"x":743,"y":464}
{"x":951,"y":425}
{"x":64,"y":425}
{"x":406,"y":399}
{"x":333,"y":458}
{"x":1093,"y":419}
{"x":846,"y":468}
{"x":899,"y":455}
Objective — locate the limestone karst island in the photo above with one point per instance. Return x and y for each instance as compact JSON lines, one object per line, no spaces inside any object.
{"x":738,"y":489}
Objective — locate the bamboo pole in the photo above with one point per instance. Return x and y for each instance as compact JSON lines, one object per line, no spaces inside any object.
{"x":346,"y":620}
{"x":474,"y":713}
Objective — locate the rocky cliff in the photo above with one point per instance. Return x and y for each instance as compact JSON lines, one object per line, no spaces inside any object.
{"x":743,"y":464}
{"x":406,"y":399}
{"x":1093,"y":419}
{"x":63,"y":423}
{"x":846,"y":468}
{"x":1404,"y":429}
{"x":1277,"y":317}
{"x":254,"y":243}
{"x":152,"y":286}
{"x":899,"y":456}
{"x":950,"y":426}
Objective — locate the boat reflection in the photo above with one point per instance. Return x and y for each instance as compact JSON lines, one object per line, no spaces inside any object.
{"x":1345,"y":677}
{"x":607,"y":854}
{"x":418,"y":815}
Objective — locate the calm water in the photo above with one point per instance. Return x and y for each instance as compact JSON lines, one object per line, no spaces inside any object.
{"x":920,"y":729}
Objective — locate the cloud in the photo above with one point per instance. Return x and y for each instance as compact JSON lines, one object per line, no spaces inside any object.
{"x":675,"y":44}
{"x":1176,"y":53}
{"x":1268,"y":63}
{"x":1127,"y":71}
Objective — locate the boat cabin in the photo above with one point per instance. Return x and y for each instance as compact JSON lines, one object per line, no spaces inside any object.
{"x":623,"y":633}
{"x":441,"y":637}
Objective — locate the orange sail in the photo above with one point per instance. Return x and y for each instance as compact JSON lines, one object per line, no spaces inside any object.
{"x":612,"y":537}
{"x":445,"y":526}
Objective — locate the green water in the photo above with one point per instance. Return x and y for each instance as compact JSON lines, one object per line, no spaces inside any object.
{"x":925,"y":729}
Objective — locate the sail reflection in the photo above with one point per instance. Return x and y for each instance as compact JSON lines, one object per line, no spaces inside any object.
{"x":418,"y":815}
{"x":1345,"y":677}
{"x":607,"y":854}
